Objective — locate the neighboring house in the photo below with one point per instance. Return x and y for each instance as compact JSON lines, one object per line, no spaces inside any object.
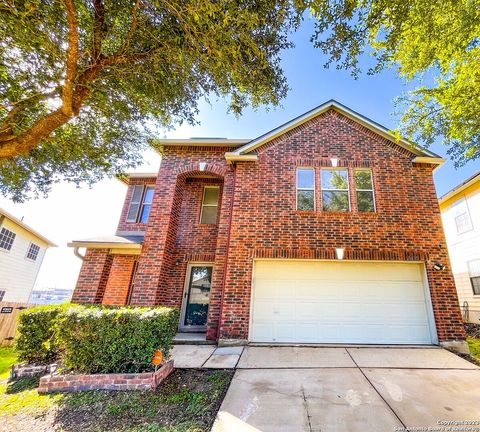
{"x":461,"y":220}
{"x":21,"y":254}
{"x":51,"y":296}
{"x":323,"y":230}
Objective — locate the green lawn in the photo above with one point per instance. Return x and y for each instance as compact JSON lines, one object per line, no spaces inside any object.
{"x":187,"y":401}
{"x":474,"y":345}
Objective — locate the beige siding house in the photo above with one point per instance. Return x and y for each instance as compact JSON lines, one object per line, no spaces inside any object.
{"x":461,"y":220}
{"x":21,"y":254}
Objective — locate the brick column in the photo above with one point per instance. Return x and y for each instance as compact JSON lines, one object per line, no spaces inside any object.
{"x":159,"y":238}
{"x":221,"y":252}
{"x":116,"y":291}
{"x":93,"y":277}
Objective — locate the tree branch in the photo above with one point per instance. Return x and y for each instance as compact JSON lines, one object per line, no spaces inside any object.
{"x":133,"y":26}
{"x":98,"y":29}
{"x":72,"y":58}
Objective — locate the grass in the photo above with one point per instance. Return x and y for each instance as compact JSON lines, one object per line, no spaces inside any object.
{"x":187,"y":401}
{"x":8,"y":357}
{"x":474,"y":345}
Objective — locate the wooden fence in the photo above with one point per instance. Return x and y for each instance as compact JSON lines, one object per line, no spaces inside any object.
{"x":8,"y":321}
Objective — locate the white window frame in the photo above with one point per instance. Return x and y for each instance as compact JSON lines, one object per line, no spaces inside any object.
{"x":365,"y":190}
{"x":5,"y":250}
{"x":28,"y":252}
{"x":337,"y":190}
{"x":297,"y":189}
{"x":140,"y":203}
{"x":209,"y":205}
{"x":471,"y":275}
{"x":456,"y":213}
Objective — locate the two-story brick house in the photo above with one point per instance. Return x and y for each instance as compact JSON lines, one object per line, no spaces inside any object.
{"x":324,"y":230}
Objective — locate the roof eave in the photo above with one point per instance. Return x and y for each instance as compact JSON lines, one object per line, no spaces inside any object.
{"x":27,"y":228}
{"x":332,"y":104}
{"x":456,"y":190}
{"x":104,"y":245}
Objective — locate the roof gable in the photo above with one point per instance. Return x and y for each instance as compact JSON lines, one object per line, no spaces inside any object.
{"x":245,"y":152}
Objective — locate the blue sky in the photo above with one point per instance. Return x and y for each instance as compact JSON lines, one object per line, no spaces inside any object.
{"x":70,"y":213}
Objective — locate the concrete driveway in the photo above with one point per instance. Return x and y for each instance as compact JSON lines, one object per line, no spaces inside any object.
{"x":349,"y":389}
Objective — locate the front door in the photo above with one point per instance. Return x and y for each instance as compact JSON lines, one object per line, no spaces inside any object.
{"x":196,"y":297}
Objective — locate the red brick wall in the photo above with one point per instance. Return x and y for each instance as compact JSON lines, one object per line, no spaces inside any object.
{"x":116,"y":291}
{"x":169,"y":240}
{"x":406,"y":224}
{"x":123,"y":225}
{"x":93,"y":277}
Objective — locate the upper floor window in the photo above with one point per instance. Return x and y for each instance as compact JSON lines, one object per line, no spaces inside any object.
{"x":335,"y":190}
{"x":140,"y":204}
{"x":474,"y":271}
{"x":33,"y":251}
{"x":305,"y":189}
{"x":209,"y":211}
{"x":6,"y":239}
{"x":364,"y":188}
{"x":461,"y":215}
{"x":2,"y":294}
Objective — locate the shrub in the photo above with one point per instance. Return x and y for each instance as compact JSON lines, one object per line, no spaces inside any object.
{"x":104,"y":340}
{"x":36,"y":342}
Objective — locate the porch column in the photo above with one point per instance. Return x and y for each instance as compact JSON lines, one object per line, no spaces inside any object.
{"x":93,"y":277}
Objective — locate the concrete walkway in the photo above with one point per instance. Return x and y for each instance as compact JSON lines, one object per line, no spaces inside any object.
{"x":347,"y":389}
{"x":205,"y":356}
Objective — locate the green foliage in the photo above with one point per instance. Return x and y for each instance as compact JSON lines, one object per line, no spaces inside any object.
{"x":96,"y":339}
{"x":36,"y":327}
{"x":137,"y":67}
{"x":8,"y":357}
{"x":437,"y":43}
{"x":106,"y":340}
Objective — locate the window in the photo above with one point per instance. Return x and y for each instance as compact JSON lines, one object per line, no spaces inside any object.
{"x":2,"y":294}
{"x":461,"y":215}
{"x":335,"y":191}
{"x":474,"y":271}
{"x":210,"y":205}
{"x":140,"y":204}
{"x":364,"y":188}
{"x":147,"y":204}
{"x":305,"y":189}
{"x":33,"y":251}
{"x":6,"y":239}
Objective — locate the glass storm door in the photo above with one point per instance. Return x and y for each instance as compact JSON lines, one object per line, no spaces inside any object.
{"x":196,"y":297}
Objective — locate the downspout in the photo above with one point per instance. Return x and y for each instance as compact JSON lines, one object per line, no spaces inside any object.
{"x":227,"y":248}
{"x":78,"y":254}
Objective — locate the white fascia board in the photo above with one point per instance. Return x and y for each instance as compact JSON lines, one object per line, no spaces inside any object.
{"x":104,"y":245}
{"x":233,"y":157}
{"x":375,"y":127}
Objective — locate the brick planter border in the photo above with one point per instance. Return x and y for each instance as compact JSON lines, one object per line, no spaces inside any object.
{"x":128,"y":381}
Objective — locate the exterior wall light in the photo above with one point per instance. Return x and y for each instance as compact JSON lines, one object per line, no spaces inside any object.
{"x":202,"y":166}
{"x":334,"y":162}
{"x":339,"y":252}
{"x":438,"y":266}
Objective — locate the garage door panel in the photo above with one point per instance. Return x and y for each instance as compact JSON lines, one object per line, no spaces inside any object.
{"x":339,"y":302}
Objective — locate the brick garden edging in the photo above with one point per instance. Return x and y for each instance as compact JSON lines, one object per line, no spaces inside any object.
{"x":126,"y":381}
{"x":22,"y":371}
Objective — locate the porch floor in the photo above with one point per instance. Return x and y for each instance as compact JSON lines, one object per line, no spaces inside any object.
{"x":192,"y":339}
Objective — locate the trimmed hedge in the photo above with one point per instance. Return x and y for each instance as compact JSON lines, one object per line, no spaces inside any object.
{"x":36,"y":326}
{"x":100,"y":339}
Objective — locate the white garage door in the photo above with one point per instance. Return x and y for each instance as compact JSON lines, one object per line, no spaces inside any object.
{"x":339,"y":302}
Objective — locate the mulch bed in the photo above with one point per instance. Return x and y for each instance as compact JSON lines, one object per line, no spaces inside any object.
{"x":187,"y":401}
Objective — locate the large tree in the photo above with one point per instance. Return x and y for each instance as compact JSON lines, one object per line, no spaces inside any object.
{"x":81,"y":80}
{"x":433,"y":43}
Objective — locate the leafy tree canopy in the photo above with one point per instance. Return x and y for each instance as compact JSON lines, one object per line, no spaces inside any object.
{"x":81,"y":80}
{"x":435,"y":42}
